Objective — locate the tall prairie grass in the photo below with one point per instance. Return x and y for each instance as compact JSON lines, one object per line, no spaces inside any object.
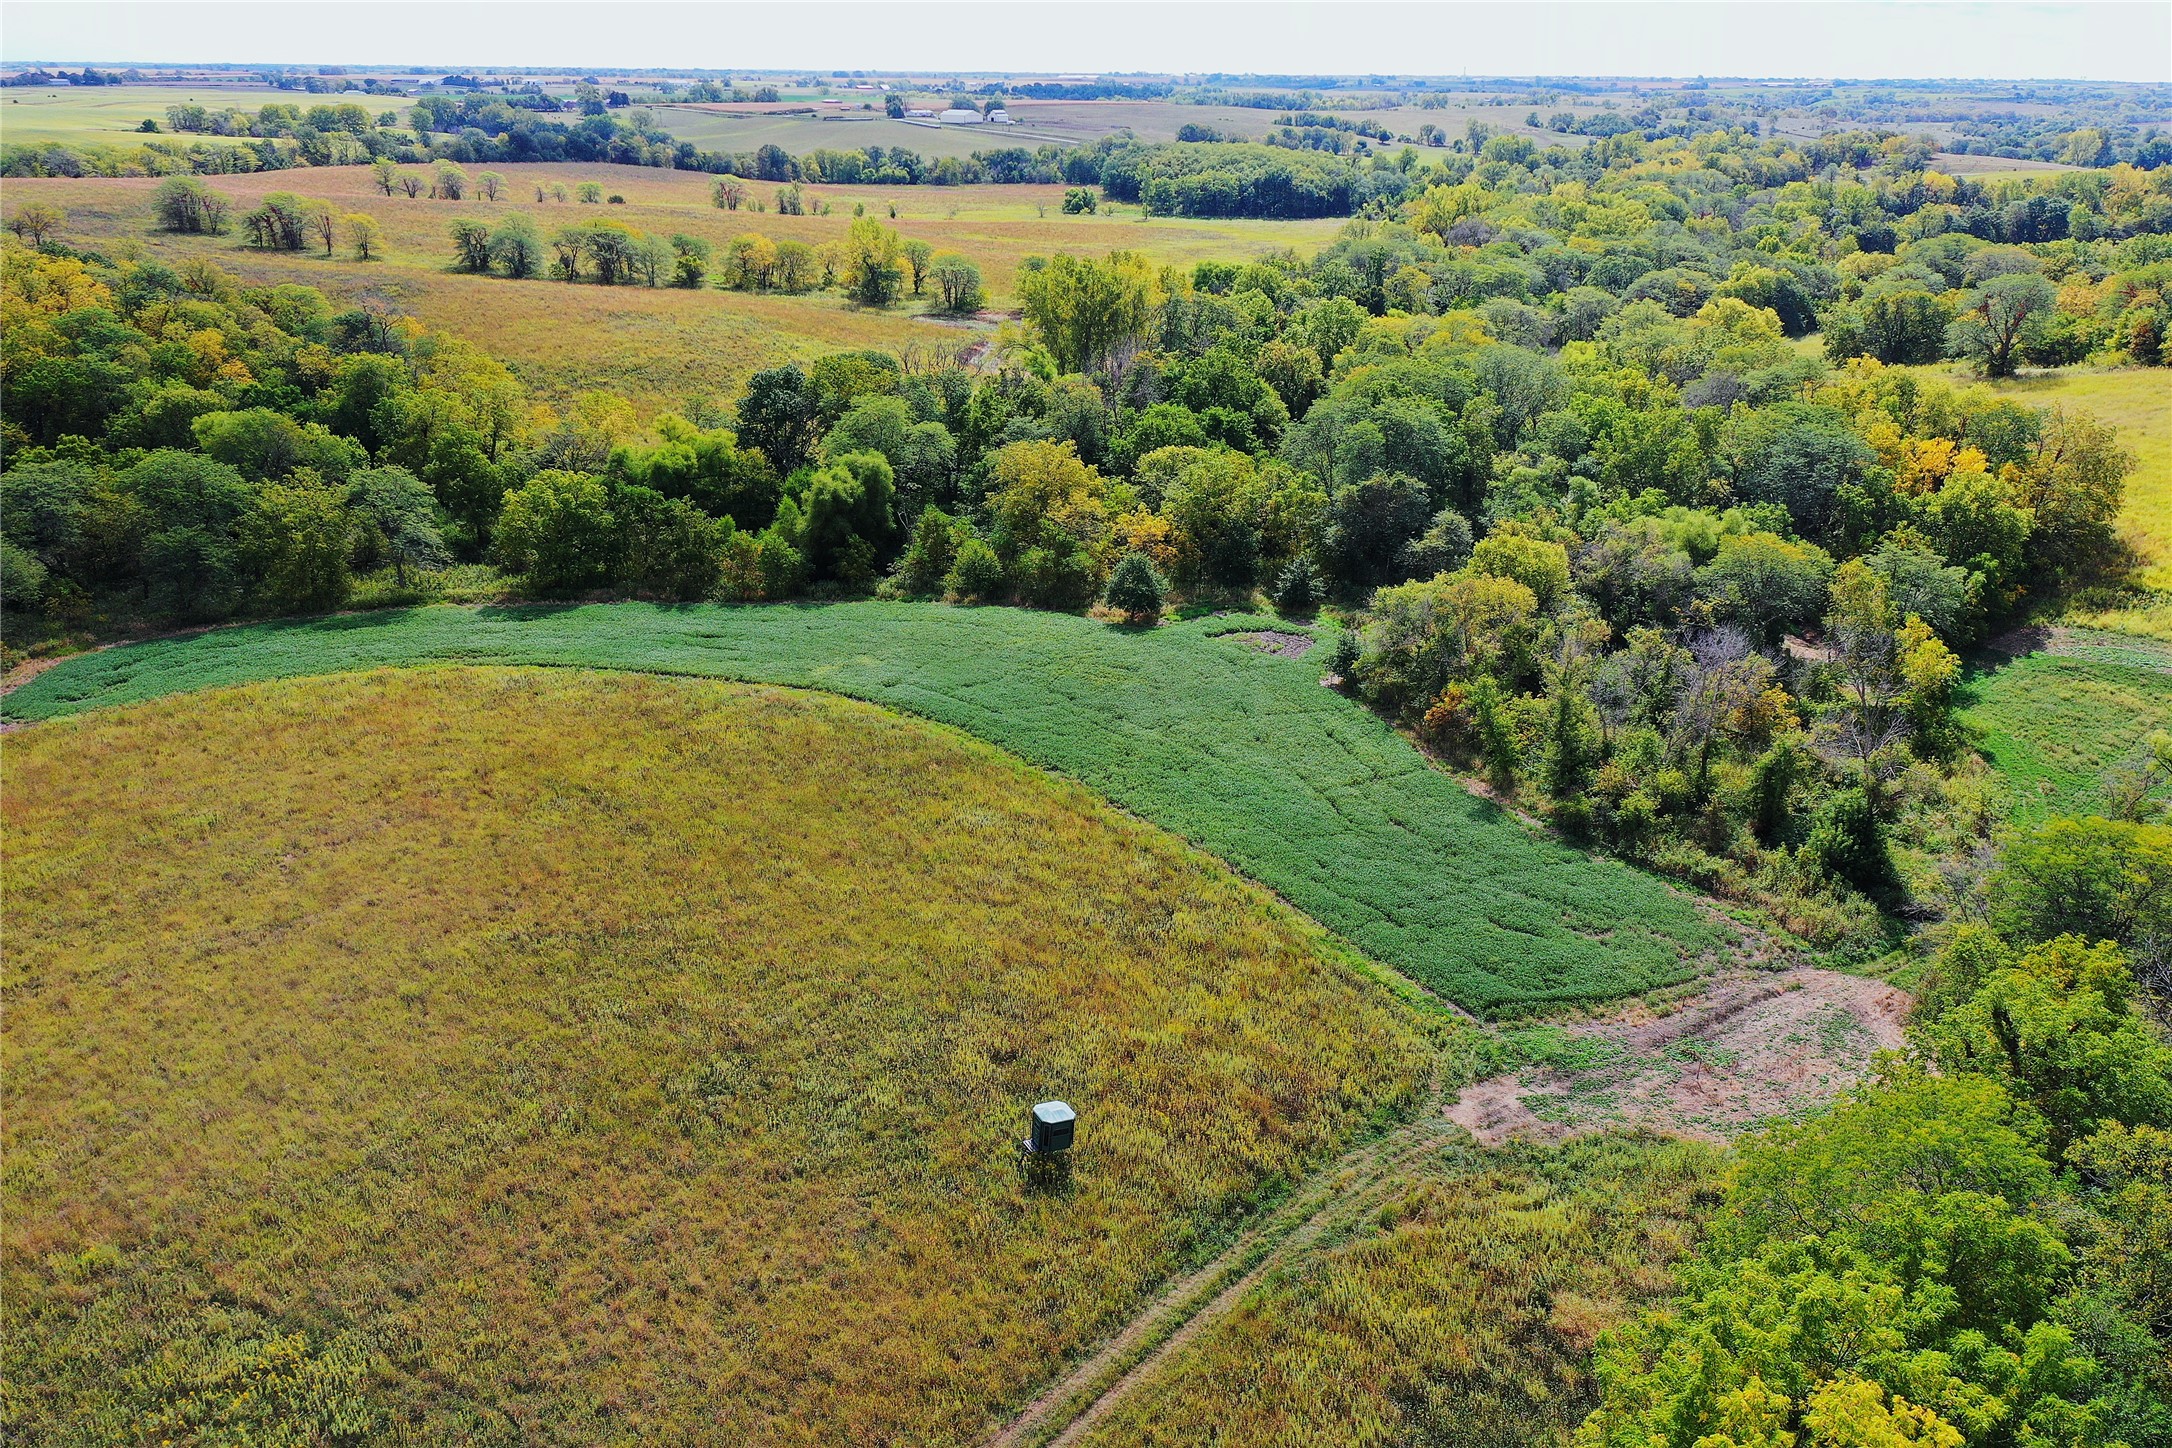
{"x":516,"y":1056}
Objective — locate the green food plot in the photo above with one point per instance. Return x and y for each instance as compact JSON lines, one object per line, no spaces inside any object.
{"x":1240,"y":752}
{"x":2053,"y":724}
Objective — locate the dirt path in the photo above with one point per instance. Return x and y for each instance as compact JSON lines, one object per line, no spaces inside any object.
{"x":1064,"y":1412}
{"x":1747,"y":1048}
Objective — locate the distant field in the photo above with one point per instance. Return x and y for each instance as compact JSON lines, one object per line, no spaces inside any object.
{"x":1249,"y":758}
{"x":2055,"y":721}
{"x":507,"y":1056}
{"x":659,"y":347}
{"x":109,"y":115}
{"x":1037,"y":123}
{"x":1961,"y":163}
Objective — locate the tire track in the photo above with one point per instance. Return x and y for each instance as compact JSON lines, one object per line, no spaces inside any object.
{"x":1064,"y":1412}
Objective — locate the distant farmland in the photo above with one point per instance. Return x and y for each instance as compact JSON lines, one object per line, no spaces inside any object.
{"x":658,"y":347}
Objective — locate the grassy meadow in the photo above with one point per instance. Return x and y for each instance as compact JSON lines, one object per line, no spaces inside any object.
{"x":1240,"y":752}
{"x":497,"y":1055}
{"x":109,"y":115}
{"x":657,"y":347}
{"x":2052,"y":723}
{"x":1462,"y":1309}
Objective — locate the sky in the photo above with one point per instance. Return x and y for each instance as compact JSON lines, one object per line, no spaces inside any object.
{"x":1855,"y":39}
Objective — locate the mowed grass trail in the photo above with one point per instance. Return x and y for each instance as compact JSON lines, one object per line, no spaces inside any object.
{"x":500,"y":1056}
{"x":1241,"y":753}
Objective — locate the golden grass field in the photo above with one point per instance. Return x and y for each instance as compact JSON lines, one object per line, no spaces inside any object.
{"x":1461,"y":1309}
{"x":544,"y":1056}
{"x":657,"y":347}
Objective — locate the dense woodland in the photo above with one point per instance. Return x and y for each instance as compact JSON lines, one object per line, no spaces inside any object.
{"x":1537,"y":442}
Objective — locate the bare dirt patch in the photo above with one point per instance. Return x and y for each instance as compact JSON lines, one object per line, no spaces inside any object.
{"x":1742,"y":1052}
{"x":1281,"y":645}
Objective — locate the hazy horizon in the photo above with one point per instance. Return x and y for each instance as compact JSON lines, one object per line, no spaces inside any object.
{"x":1845,"y":40}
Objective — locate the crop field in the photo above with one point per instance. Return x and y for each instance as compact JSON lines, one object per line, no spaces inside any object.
{"x":497,"y":1055}
{"x":1240,"y":752}
{"x":1461,"y":1310}
{"x":2054,"y":722}
{"x":657,"y":347}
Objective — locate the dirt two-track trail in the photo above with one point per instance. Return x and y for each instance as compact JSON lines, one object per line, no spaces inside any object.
{"x":1068,"y":1409}
{"x":1750,"y":1045}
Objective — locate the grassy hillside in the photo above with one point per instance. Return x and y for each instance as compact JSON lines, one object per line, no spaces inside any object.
{"x":1242,"y":753}
{"x":494,"y":1056}
{"x":658,"y":347}
{"x":2054,"y":722}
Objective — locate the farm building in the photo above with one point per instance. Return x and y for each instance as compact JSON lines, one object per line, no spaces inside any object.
{"x":957,"y":117}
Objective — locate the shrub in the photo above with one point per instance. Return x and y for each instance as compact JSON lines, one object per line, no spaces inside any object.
{"x":1297,"y":591}
{"x":783,"y":567}
{"x":1847,"y":843}
{"x":671,"y":548}
{"x":929,"y":554}
{"x":1136,"y":589}
{"x":1342,"y":659}
{"x":977,"y":574}
{"x":1058,"y":577}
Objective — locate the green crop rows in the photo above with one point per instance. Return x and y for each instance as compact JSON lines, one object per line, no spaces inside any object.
{"x":1242,"y":753}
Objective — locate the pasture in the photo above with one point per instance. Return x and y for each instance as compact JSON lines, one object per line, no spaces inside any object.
{"x":1036,"y":123}
{"x":657,"y":347}
{"x":498,"y":1055}
{"x":1242,"y":753}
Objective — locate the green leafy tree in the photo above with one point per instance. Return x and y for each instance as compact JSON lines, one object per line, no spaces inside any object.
{"x":1766,"y":584}
{"x":1089,"y":313}
{"x":514,"y":246}
{"x":396,"y":504}
{"x":957,"y":283}
{"x":557,"y":531}
{"x":2001,"y":319}
{"x":919,"y":258}
{"x":301,"y":534}
{"x":471,"y":245}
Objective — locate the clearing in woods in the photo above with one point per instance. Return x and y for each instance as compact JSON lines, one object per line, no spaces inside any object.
{"x":1239,"y":751}
{"x":2059,"y":708}
{"x":496,"y":1055}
